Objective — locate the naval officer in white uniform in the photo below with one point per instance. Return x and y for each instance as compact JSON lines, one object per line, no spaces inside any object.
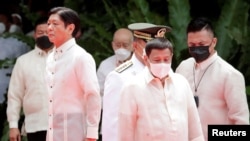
{"x":114,"y":81}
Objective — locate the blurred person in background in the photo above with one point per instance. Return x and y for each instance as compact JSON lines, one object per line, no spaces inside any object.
{"x":10,"y":23}
{"x":122,"y":45}
{"x":11,"y":48}
{"x":16,"y":26}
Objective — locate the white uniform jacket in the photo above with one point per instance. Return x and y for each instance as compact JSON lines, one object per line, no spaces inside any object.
{"x":112,"y":90}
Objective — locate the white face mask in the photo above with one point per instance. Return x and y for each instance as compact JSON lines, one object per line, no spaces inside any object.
{"x":2,"y":27}
{"x":15,"y":28}
{"x":160,"y":70}
{"x":122,"y":54}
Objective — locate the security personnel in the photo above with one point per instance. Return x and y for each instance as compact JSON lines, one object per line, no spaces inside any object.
{"x":125,"y":72}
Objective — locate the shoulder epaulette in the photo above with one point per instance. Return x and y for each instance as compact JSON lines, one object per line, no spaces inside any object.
{"x":124,"y":66}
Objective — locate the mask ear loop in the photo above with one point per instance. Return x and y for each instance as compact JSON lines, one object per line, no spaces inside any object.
{"x":211,"y":43}
{"x":214,"y":41}
{"x":138,"y":45}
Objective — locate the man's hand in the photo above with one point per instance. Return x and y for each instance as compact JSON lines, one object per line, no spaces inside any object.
{"x":14,"y":134}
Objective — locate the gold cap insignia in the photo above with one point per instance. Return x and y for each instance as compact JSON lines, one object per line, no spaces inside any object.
{"x":161,"y":32}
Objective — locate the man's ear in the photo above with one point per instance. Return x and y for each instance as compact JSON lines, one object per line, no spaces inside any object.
{"x":134,"y":45}
{"x":145,"y":59}
{"x":214,"y":42}
{"x":113,"y":46}
{"x":71,"y":28}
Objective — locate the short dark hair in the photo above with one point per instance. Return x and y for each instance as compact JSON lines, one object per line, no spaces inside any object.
{"x":68,"y":16}
{"x":158,"y":43}
{"x":199,"y":23}
{"x":41,"y":20}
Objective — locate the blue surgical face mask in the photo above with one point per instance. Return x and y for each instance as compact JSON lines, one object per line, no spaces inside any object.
{"x":200,"y":53}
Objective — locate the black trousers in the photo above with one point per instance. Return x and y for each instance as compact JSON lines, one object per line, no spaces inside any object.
{"x":37,"y":136}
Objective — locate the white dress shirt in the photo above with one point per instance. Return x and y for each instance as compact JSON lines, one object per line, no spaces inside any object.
{"x":10,"y":48}
{"x":74,"y":96}
{"x":105,"y":67}
{"x":221,"y":91}
{"x":150,"y":112}
{"x":27,"y":90}
{"x":111,"y":98}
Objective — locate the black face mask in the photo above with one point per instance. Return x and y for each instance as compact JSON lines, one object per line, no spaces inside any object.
{"x":43,"y":42}
{"x":200,"y":53}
